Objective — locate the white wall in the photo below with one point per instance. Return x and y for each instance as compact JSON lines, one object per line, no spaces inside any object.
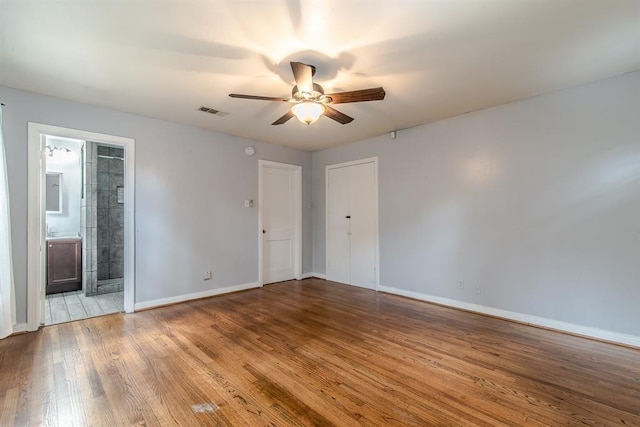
{"x":66,"y":222}
{"x":537,"y":202}
{"x":190,"y":189}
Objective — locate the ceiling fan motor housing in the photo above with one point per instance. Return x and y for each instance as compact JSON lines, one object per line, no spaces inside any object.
{"x":317,"y":92}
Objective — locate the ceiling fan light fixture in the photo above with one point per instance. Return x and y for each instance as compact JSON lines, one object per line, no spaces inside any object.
{"x":310,"y":101}
{"x":307,"y":112}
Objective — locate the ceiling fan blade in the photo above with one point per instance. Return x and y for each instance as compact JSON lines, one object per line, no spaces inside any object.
{"x":261,"y":98}
{"x":337,"y":115}
{"x":373,"y":94}
{"x":284,"y":118}
{"x":303,"y":74}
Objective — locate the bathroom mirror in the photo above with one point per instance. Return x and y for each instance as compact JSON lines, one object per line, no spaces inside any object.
{"x":54,"y":192}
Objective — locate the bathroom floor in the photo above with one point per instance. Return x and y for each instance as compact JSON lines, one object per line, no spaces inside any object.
{"x":67,"y":306}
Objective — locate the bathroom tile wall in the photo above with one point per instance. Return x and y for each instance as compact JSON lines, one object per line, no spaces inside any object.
{"x":110,"y":218}
{"x":88,"y":229}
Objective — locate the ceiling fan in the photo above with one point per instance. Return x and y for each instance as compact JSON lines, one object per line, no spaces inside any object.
{"x":310,"y":101}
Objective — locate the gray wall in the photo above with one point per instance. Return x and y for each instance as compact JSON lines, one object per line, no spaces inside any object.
{"x":537,"y":202}
{"x":190,"y":189}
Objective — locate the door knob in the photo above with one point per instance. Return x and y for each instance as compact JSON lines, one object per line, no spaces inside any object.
{"x":264,"y":231}
{"x":348,"y":216}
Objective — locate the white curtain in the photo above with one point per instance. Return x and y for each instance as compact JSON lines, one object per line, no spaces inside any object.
{"x":7,"y":297}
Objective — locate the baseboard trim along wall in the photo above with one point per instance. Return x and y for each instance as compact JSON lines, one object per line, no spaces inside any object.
{"x":586,"y":331}
{"x":195,"y":295}
{"x":209,"y":293}
{"x":20,"y":328}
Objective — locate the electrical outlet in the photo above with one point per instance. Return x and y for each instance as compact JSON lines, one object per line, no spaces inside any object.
{"x":206,"y":275}
{"x":478,"y":290}
{"x":461,"y":285}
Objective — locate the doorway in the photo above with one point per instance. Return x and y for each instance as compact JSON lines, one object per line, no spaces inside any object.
{"x":352,"y":223}
{"x":280,"y":222}
{"x":42,"y":232}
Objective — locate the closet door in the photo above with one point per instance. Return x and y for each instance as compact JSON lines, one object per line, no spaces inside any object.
{"x":363,"y":226}
{"x":338,"y":241}
{"x":352,"y":223}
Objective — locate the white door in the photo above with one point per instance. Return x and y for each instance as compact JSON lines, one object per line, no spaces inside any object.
{"x":280,"y":212}
{"x":338,"y":226}
{"x":363,"y":225}
{"x":352,"y":223}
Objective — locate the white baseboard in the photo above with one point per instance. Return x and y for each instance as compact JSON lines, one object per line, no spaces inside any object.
{"x":318,"y":276}
{"x":20,"y":328}
{"x":195,"y":295}
{"x":558,"y":325}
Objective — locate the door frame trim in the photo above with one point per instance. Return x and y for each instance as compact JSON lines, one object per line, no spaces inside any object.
{"x":36,"y":218}
{"x":373,"y":160}
{"x":297,"y":200}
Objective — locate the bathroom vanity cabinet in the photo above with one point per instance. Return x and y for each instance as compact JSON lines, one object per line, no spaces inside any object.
{"x":64,"y":265}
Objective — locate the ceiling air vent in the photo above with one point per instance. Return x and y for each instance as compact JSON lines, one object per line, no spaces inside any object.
{"x":212,"y":111}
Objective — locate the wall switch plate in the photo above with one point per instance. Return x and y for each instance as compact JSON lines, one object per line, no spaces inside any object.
{"x":248,"y":203}
{"x":461,"y":285}
{"x":207,"y":275}
{"x":478,"y":290}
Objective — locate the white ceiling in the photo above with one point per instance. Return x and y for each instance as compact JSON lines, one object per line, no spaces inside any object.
{"x":435,"y":58}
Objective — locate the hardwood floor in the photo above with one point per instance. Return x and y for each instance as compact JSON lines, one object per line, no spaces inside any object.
{"x":313,"y":353}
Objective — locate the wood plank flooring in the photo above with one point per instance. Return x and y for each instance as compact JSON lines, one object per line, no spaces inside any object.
{"x":312,"y":353}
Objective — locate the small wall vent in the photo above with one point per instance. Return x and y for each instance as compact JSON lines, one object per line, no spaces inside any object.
{"x":212,"y":111}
